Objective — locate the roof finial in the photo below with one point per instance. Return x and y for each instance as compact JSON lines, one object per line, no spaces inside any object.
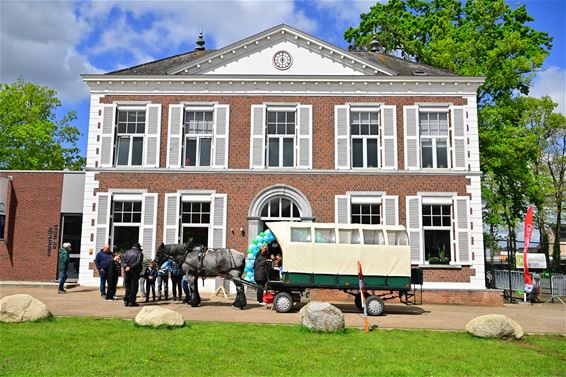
{"x":200,"y":42}
{"x":374,"y":44}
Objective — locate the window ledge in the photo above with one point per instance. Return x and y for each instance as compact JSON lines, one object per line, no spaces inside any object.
{"x":441,"y":266}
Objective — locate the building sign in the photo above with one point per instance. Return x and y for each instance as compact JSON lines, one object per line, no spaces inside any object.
{"x":52,"y":234}
{"x":535,"y":261}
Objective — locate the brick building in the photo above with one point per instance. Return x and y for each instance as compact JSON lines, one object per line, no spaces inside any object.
{"x":282,"y":125}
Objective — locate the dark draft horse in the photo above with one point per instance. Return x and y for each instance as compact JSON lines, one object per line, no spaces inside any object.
{"x":197,"y":261}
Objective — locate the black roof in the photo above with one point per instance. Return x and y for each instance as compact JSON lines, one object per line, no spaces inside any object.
{"x":161,"y":66}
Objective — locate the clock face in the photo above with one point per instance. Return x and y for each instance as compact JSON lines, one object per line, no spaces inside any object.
{"x":282,"y":60}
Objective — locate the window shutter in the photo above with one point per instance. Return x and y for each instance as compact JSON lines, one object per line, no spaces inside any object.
{"x":219,"y":205}
{"x":462,"y":228}
{"x":103,"y":205}
{"x":390,"y":206}
{"x":171,"y":215}
{"x":149,"y":220}
{"x":414,"y":228}
{"x":458,"y":138}
{"x":342,"y":213}
{"x":107,"y":137}
{"x":153,"y":131}
{"x":389,"y":137}
{"x":222,"y":114}
{"x":175,"y":133}
{"x":412,"y":147}
{"x":304,"y":149}
{"x":257,"y":152}
{"x":342,"y":135}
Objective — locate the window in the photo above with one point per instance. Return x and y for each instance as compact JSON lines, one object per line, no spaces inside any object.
{"x":195,"y":213}
{"x":198,"y":138}
{"x":349,"y":236}
{"x":373,"y":237}
{"x":280,"y":138}
{"x":127,"y":212}
{"x":437,"y":225}
{"x":280,"y":209}
{"x":434,"y":139}
{"x":364,"y":131}
{"x":397,"y":237}
{"x":324,"y":235}
{"x":366,"y":214}
{"x":130,"y":137}
{"x":300,"y":235}
{"x":2,"y":226}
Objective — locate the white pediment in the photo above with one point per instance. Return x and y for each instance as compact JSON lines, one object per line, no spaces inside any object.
{"x":256,"y":56}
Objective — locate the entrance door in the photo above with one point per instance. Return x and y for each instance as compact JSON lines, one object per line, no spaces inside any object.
{"x":71,"y":232}
{"x":199,"y":235}
{"x":125,"y":236}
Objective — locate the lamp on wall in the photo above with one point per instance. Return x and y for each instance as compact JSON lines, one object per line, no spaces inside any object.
{"x":242,"y":231}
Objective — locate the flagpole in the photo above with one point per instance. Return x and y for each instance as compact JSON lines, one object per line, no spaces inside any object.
{"x":362,"y":295}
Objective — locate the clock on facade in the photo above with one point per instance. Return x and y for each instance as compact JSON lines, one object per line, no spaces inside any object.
{"x":282,"y":60}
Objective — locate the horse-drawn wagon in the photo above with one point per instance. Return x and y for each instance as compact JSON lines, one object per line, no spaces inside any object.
{"x":319,"y":255}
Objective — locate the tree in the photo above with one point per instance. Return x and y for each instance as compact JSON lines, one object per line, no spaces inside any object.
{"x":31,"y":136}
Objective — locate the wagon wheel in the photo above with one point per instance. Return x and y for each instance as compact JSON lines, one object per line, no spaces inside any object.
{"x":283,"y":302}
{"x":374,"y":305}
{"x":358,"y":300}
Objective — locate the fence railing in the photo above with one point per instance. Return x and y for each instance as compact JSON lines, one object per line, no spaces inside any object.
{"x":558,"y":284}
{"x":502,"y":280}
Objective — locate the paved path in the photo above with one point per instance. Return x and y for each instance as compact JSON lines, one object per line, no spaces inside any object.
{"x":85,"y":301}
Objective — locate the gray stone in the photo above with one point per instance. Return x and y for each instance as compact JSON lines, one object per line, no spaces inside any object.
{"x":22,"y":308}
{"x":321,"y":316}
{"x":494,"y":326}
{"x":156,"y":316}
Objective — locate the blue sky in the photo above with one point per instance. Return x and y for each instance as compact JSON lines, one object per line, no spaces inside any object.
{"x":53,"y":42}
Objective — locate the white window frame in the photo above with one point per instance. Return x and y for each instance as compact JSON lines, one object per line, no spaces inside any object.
{"x":354,"y":201}
{"x":198,"y":137}
{"x":280,"y":217}
{"x":365,"y":138}
{"x":432,"y":202}
{"x":113,"y":224}
{"x":130,"y":136}
{"x":280,"y":138}
{"x":435,"y":138}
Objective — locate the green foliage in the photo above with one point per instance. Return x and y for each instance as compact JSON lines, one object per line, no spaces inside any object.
{"x":31,"y":136}
{"x":93,"y":347}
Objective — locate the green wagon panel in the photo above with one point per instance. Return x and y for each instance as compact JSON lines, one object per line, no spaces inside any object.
{"x":345,"y":281}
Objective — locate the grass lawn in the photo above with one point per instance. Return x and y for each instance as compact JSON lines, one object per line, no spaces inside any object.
{"x":100,"y":347}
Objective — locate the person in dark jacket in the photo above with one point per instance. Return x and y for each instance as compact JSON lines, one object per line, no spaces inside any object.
{"x":132,"y":264}
{"x":260,"y":272}
{"x":176,"y":274}
{"x":150,"y":274}
{"x":62,"y":264}
{"x":102,"y":260}
{"x":112,"y":273}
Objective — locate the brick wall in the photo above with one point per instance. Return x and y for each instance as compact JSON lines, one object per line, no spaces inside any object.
{"x":323,"y":120}
{"x":456,"y":275}
{"x":34,"y":208}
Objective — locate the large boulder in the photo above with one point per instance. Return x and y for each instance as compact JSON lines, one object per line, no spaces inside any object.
{"x":321,"y":316}
{"x":157,"y":316}
{"x":22,"y":308}
{"x":495,"y":326}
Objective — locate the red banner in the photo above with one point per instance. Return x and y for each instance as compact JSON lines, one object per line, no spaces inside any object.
{"x":527,"y":238}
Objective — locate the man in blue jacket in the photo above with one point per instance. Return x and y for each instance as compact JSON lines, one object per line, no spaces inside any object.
{"x":102,"y":260}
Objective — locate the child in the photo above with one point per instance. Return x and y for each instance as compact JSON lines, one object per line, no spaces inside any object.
{"x":150,"y":274}
{"x":112,"y":273}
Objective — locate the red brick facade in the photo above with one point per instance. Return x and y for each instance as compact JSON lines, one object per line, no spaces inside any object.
{"x":30,"y":250}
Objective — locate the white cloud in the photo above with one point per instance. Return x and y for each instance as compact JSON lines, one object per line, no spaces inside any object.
{"x":38,"y":42}
{"x":551,"y":82}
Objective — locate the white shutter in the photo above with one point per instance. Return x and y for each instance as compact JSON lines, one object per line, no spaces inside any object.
{"x":342,"y":136}
{"x":458,"y":116}
{"x":412,"y":147}
{"x":175,"y":134}
{"x":219,"y":206}
{"x":304,"y":148}
{"x":107,"y":137}
{"x":171,"y":216}
{"x":390,"y":210}
{"x":221,"y":127}
{"x":389,"y":137}
{"x":257,"y":145}
{"x":462,"y":228}
{"x":153,"y":130}
{"x":342,"y":211}
{"x":149,"y":220}
{"x":103,"y":204}
{"x":414,"y":227}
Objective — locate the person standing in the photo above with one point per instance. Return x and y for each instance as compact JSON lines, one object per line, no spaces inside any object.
{"x":162,"y":283}
{"x":102,"y":260}
{"x":112,"y":274}
{"x":150,"y":274}
{"x":141,"y":284}
{"x":260,"y":272}
{"x":62,"y":264}
{"x":176,"y":273}
{"x":132,"y":263}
